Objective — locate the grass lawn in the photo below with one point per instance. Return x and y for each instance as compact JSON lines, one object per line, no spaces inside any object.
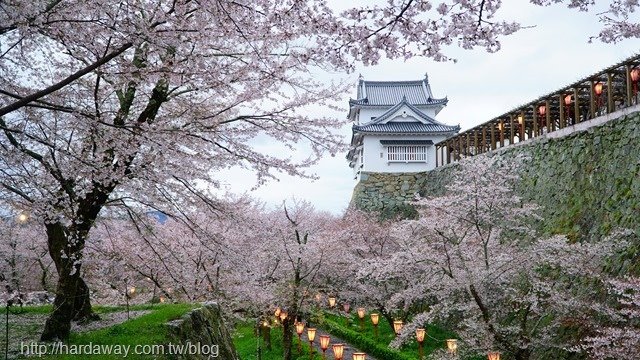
{"x":148,"y":329}
{"x":247,"y":345}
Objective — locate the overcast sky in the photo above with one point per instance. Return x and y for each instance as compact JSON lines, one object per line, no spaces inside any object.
{"x":551,"y":54}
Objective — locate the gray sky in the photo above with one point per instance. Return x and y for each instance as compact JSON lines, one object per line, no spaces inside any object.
{"x":551,"y":54}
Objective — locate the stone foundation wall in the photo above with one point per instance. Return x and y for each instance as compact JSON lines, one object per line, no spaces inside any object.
{"x":586,"y":178}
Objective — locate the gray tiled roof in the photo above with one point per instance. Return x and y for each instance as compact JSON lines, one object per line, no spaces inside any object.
{"x":405,"y":127}
{"x":388,"y":93}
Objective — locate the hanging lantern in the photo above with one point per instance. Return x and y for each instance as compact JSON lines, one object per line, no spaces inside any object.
{"x":598,"y":88}
{"x":542,"y":110}
{"x":567,"y":100}
{"x":324,"y":342}
{"x":420,"y":333}
{"x":452,"y":346}
{"x":338,"y":351}
{"x":311,"y":334}
{"x":299,"y":328}
{"x":361,"y":312}
{"x":635,"y":74}
{"x":520,"y":119}
{"x":359,"y":356}
{"x":493,"y":355}
{"x":397,"y":326}
{"x":375,"y":318}
{"x":332,"y":302}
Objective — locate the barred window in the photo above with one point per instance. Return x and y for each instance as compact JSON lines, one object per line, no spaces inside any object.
{"x":407,"y":153}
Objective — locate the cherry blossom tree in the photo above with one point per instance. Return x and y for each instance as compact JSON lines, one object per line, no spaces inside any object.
{"x":278,"y":256}
{"x":357,"y":272}
{"x":140,"y":103}
{"x":24,"y":266}
{"x":618,"y":336}
{"x":488,"y":275}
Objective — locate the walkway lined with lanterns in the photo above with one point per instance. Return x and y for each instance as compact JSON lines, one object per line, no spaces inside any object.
{"x":333,"y":348}
{"x":599,"y":94}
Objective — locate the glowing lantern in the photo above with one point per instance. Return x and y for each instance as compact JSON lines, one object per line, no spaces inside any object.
{"x":311,"y":334}
{"x":493,"y":355}
{"x":374,"y":320}
{"x":359,"y":356}
{"x":452,"y":346}
{"x":635,"y":74}
{"x":567,"y":100}
{"x":542,"y":110}
{"x":23,"y":217}
{"x":397,"y":326}
{"x":324,"y":342}
{"x":283,"y":315}
{"x":299,"y":329}
{"x":278,"y":311}
{"x":598,"y":88}
{"x":361,"y":312}
{"x":332,"y":302}
{"x":338,"y":351}
{"x":420,"y":333}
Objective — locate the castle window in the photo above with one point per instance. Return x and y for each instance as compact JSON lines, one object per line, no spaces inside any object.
{"x":407,"y":153}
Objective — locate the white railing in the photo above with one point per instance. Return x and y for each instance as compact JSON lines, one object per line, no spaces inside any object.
{"x":407,"y":153}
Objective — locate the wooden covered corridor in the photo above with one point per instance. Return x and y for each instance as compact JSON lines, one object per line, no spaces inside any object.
{"x":601,"y":93}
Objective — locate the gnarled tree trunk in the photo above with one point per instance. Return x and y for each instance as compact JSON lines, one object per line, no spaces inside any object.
{"x":72,"y":294}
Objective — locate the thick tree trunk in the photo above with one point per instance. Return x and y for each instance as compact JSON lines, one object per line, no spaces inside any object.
{"x":287,"y":338}
{"x":82,"y":305}
{"x":72,"y":294}
{"x":58,"y":324}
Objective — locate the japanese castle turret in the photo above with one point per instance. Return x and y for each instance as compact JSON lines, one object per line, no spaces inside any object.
{"x":394,"y":127}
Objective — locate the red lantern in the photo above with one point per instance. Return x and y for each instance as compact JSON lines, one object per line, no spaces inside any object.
{"x":635,"y":74}
{"x":542,"y":110}
{"x":567,"y":100}
{"x":598,"y":88}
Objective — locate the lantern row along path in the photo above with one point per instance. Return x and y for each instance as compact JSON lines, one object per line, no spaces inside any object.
{"x":348,"y":349}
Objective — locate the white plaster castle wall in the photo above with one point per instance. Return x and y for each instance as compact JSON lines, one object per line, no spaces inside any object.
{"x":375,"y":155}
